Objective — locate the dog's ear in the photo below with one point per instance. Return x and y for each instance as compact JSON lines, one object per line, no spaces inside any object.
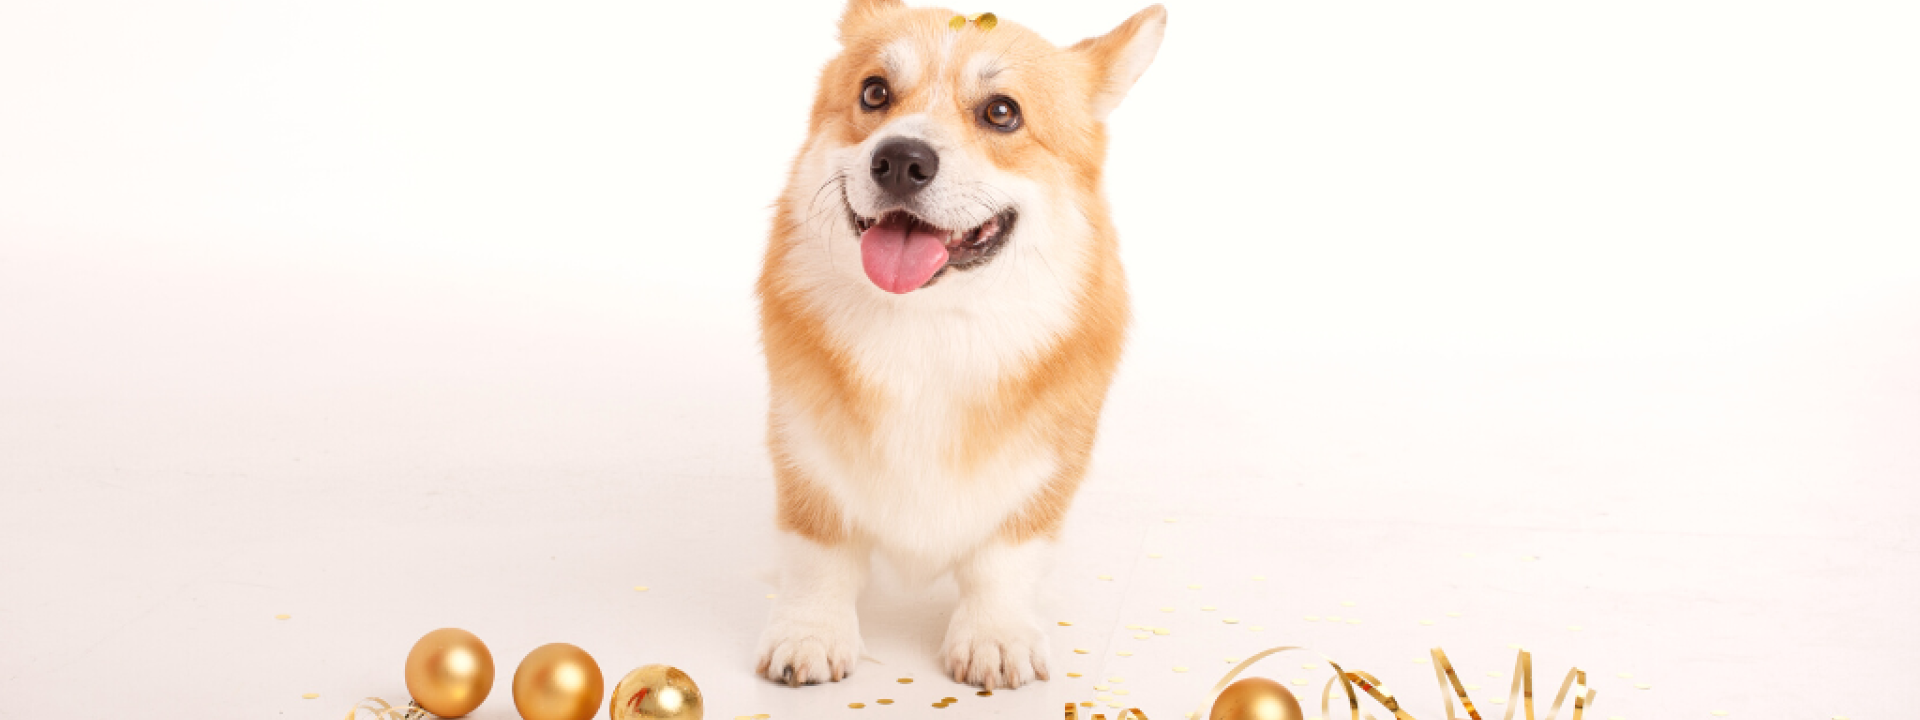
{"x":1119,"y":57}
{"x":859,"y":10}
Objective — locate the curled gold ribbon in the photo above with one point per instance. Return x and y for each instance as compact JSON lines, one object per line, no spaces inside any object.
{"x":378,"y":709}
{"x":1450,"y":686}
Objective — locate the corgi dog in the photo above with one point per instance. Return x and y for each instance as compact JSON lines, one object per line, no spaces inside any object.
{"x":942,"y":309}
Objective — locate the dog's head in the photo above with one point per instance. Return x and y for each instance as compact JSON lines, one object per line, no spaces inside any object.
{"x":947,"y":139}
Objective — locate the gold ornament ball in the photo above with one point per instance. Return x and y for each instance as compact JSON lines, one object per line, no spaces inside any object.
{"x":656,"y":692}
{"x":449,"y":672}
{"x":558,"y":682}
{"x":1255,"y":698}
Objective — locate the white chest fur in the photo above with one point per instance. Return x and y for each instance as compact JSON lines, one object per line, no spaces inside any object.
{"x":933,"y":356}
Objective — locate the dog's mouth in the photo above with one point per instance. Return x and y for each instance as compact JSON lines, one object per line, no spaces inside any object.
{"x":903,"y":253}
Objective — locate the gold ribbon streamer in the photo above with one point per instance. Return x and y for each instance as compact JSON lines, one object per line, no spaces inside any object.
{"x":1520,"y":693}
{"x":383,"y":710}
{"x":1450,"y":686}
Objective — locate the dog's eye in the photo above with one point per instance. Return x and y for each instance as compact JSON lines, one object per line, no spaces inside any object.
{"x":874,"y":95}
{"x":1002,"y":113}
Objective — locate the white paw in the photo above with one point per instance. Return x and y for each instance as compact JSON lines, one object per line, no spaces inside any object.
{"x":807,"y":647}
{"x":995,"y":649}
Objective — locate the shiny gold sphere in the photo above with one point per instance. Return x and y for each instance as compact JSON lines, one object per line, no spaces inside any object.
{"x":449,"y":672}
{"x":558,"y":682}
{"x":656,"y":692}
{"x":1255,"y":698}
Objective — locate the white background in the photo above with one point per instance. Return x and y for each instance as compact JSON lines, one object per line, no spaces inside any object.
{"x":396,"y":315}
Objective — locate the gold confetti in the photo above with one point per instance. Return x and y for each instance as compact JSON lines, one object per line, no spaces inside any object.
{"x":771,"y":596}
{"x":1179,"y":668}
{"x":639,"y":588}
{"x":1299,"y":681}
{"x":856,"y":706}
{"x":1230,"y":621}
{"x":1154,"y":556}
{"x":1064,"y":623}
{"x":1193,"y":587}
{"x":1309,"y":666}
{"x":310,"y":696}
{"x":1171,"y":521}
{"x":1163,"y":631}
{"x":1208,"y":608}
{"x":940,"y":705}
{"x":1086,"y":704}
{"x":1574,"y":628}
{"x":985,"y":693}
{"x":1116,"y":680}
{"x":1142,"y":636}
{"x":1073,"y":675}
{"x":1719,"y":713}
{"x":1259,"y":577}
{"x":1080,"y":651}
{"x":1643,"y":686}
{"x":1257,"y":628}
{"x":1103,"y":697}
{"x":905,"y":681}
{"x":1625,"y":676}
{"x":1348,"y":603}
{"x":885,"y":701}
{"x":1467,"y":555}
{"x":283,"y":617}
{"x":1419,"y":661}
{"x":1125,"y":653}
{"x":1353,"y":621}
{"x":1333,"y":618}
{"x":1232,"y":660}
{"x":1528,"y":558}
{"x":1122,"y":691}
{"x":1495,"y":673}
{"x":949,"y":700}
{"x":1166,"y":609}
{"x":1426,"y":622}
{"x":1104,"y":577}
{"x":1115,"y":705}
{"x":1313,"y":618}
{"x":1102,"y":688}
{"x":1499,"y":701}
{"x":1471,"y":686}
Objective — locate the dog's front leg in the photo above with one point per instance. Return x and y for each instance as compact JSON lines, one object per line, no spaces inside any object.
{"x":996,"y":638}
{"x":814,"y":635}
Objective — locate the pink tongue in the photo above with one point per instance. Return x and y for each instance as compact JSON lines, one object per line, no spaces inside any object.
{"x":900,"y":261}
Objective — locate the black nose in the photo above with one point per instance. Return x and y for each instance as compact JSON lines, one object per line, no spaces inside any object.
{"x":902,"y":166}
